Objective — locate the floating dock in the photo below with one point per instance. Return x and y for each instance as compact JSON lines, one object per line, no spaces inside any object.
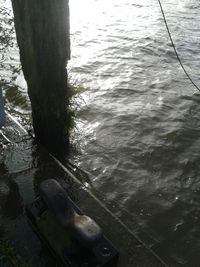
{"x":23,"y":166}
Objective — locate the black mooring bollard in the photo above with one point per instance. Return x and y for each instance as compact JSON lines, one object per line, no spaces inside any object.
{"x":74,"y":238}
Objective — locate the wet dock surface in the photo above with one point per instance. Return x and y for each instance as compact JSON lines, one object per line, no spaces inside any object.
{"x":23,"y":166}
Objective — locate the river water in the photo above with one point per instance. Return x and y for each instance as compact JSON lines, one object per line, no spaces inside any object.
{"x":138,"y":123}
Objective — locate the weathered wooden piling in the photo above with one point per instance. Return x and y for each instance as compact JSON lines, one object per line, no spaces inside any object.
{"x":42,"y":29}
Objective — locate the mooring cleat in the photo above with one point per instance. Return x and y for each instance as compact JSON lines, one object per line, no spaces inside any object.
{"x":74,"y":238}
{"x":86,"y":231}
{"x":56,"y":199}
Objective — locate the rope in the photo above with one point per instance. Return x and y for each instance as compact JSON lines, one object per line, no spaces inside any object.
{"x":175,"y":50}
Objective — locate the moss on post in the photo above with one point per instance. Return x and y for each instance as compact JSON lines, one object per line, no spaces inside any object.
{"x":42,"y":29}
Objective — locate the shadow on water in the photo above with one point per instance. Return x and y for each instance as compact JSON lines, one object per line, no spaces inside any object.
{"x":22,"y":167}
{"x":11,"y":202}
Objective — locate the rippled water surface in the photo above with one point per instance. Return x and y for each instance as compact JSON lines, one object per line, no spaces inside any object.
{"x":138,"y":126}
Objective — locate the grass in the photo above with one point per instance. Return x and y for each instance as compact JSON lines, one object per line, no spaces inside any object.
{"x":75,"y":89}
{"x":75,"y":99}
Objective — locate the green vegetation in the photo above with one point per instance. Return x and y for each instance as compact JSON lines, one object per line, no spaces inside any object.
{"x":75,"y":91}
{"x":14,"y":98}
{"x":9,"y":256}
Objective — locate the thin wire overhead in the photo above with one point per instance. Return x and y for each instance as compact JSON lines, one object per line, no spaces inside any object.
{"x":175,"y":50}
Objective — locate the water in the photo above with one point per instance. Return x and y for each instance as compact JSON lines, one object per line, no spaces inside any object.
{"x":11,"y":77}
{"x":138,"y":125}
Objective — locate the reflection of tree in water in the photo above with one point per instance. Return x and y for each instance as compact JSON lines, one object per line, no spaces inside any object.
{"x":2,"y":231}
{"x":46,"y":168}
{"x":3,"y":169}
{"x":11,"y":203}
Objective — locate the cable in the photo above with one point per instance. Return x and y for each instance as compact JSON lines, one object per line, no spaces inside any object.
{"x":173,"y":45}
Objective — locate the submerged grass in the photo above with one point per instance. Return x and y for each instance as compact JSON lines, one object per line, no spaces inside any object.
{"x":16,"y":100}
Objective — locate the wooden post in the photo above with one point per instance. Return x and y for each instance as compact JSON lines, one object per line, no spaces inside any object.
{"x":42,"y":29}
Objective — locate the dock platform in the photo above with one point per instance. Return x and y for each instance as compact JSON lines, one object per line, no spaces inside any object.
{"x":23,"y":166}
